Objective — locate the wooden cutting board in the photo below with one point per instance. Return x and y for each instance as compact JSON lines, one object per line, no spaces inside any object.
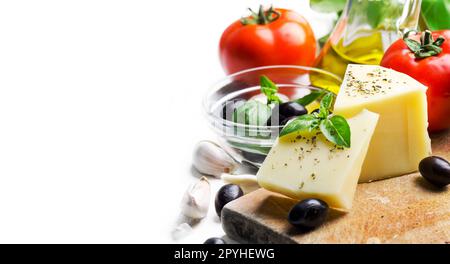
{"x":405,"y":209}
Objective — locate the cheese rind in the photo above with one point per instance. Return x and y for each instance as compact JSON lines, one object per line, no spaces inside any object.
{"x":401,"y":139}
{"x":309,"y":166}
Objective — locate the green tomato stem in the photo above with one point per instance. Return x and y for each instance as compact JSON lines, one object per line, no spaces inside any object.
{"x":262,"y":17}
{"x":427,"y":46}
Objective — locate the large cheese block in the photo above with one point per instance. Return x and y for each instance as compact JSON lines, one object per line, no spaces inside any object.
{"x":401,"y":139}
{"x":308,"y":166}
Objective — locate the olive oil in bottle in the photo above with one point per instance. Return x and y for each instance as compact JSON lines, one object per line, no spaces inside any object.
{"x":364,"y":31}
{"x":363,"y":50}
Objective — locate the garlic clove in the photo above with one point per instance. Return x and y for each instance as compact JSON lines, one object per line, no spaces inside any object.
{"x":211,"y":159}
{"x":196,"y":199}
{"x":247,"y":182}
{"x":181,"y":231}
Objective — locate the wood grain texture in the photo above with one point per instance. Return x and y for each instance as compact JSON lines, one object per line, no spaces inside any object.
{"x":405,"y":209}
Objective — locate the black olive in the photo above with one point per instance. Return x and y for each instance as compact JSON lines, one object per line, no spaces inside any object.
{"x":225,"y":195}
{"x":275,"y":112}
{"x":308,"y":214}
{"x":289,"y":109}
{"x":214,"y":240}
{"x":229,"y":107}
{"x":436,"y":170}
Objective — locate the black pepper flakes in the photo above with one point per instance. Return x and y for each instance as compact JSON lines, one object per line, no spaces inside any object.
{"x":301,"y":185}
{"x":366,"y":88}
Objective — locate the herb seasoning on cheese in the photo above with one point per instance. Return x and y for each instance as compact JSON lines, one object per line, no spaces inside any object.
{"x":401,"y":139}
{"x":375,"y":83}
{"x":316,"y":167}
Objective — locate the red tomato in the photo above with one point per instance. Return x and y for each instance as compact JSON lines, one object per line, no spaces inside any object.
{"x":272,"y":37}
{"x":433,"y":70}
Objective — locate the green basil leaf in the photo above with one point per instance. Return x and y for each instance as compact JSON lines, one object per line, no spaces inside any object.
{"x":327,"y":6}
{"x":436,"y":14}
{"x":269,"y":89}
{"x":273,"y":99}
{"x":325,"y":105}
{"x":252,"y":113}
{"x":336,"y":130}
{"x":301,"y":123}
{"x":266,"y":82}
{"x":309,"y":98}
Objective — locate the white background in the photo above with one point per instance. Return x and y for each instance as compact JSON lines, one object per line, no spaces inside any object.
{"x":100,"y":107}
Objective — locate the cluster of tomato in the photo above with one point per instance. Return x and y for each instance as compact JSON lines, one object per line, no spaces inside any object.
{"x":284,"y":37}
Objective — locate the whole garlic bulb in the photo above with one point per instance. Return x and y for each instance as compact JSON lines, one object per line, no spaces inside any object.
{"x":196,"y":200}
{"x":211,"y":159}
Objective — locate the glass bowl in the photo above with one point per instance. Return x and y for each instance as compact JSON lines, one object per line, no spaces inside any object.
{"x":250,"y":143}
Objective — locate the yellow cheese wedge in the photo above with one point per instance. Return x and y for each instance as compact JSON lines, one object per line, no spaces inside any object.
{"x":401,"y":139}
{"x":309,"y":166}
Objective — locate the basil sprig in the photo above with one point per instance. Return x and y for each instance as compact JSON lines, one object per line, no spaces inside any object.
{"x":334,"y":127}
{"x":254,"y":112}
{"x":311,"y":97}
{"x":269,"y":89}
{"x":325,"y":105}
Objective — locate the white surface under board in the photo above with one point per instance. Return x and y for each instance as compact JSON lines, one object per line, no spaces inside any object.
{"x":99,"y":112}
